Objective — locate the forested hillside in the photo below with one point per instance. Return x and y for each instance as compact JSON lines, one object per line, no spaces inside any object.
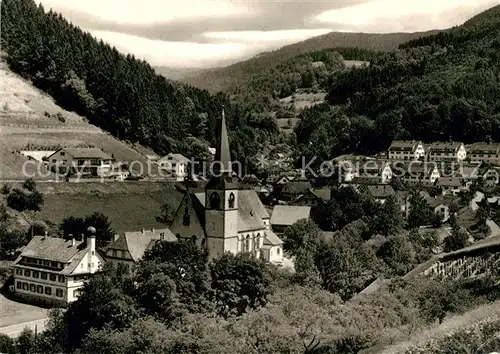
{"x":441,"y":87}
{"x":228,"y":78}
{"x":117,"y":92}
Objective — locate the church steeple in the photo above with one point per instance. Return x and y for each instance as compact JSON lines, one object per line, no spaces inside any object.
{"x":222,"y":170}
{"x":223,"y":153}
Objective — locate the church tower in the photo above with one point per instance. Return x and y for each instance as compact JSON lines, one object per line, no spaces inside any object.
{"x":221,"y":200}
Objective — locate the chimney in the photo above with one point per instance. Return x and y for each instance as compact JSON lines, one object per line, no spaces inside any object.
{"x":73,"y":242}
{"x":46,"y":235}
{"x":142,"y":230}
{"x":152,"y":229}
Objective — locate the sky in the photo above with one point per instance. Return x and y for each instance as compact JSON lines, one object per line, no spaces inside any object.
{"x":210,"y":33}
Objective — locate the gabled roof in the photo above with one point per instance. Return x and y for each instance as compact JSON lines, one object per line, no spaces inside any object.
{"x":86,"y":153}
{"x":296,"y":187}
{"x":174,"y":157}
{"x":444,"y":147}
{"x":137,"y":242}
{"x":449,"y":182}
{"x":57,"y":250}
{"x":286,"y":215}
{"x":403,"y":145}
{"x":271,"y":239}
{"x":488,"y":148}
{"x":433,"y":202}
{"x":52,"y":249}
{"x":251,"y":211}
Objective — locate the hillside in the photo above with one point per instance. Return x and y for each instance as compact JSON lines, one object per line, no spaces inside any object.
{"x":228,"y":78}
{"x":115,"y":92}
{"x":31,"y":121}
{"x":440,"y":87}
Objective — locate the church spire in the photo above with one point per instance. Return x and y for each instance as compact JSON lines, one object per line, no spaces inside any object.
{"x":223,"y":154}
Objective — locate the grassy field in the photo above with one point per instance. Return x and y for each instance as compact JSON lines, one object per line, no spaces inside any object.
{"x":128,"y":205}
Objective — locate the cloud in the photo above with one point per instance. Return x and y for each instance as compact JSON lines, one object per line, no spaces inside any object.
{"x":404,"y":16}
{"x":137,"y":12}
{"x":282,"y":36}
{"x":207,"y":33}
{"x":174,"y":54}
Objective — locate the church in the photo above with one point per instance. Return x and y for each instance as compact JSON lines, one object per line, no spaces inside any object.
{"x":226,"y":218}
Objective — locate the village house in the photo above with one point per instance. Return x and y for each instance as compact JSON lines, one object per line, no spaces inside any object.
{"x":425,"y":172}
{"x":175,"y":165}
{"x":450,"y":185}
{"x":376,"y":170}
{"x":439,"y":205}
{"x":85,"y":161}
{"x":381,"y":192}
{"x":290,"y":191}
{"x":406,"y":150}
{"x":129,"y":247}
{"x":52,"y":270}
{"x":225,"y":218}
{"x":313,"y":197}
{"x":284,"y":216}
{"x":485,"y":152}
{"x":447,"y":152}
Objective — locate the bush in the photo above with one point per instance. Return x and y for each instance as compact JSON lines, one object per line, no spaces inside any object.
{"x":29,"y":185}
{"x":6,"y":189}
{"x":60,"y":117}
{"x":17,"y":200}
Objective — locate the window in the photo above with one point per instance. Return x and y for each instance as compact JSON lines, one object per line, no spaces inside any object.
{"x":25,"y":286}
{"x":39,"y":289}
{"x":61,"y":279}
{"x":33,"y":288}
{"x":93,"y":253}
{"x":35,"y":274}
{"x":247,"y":244}
{"x":19,"y":272}
{"x":231,"y":201}
{"x":19,"y":285}
{"x":214,"y":201}
{"x":48,"y":290}
{"x":59,"y":293}
{"x":52,"y":277}
{"x":186,"y":221}
{"x":278,"y":250}
{"x":258,"y":243}
{"x":27,"y":273}
{"x":63,"y":153}
{"x":43,"y":276}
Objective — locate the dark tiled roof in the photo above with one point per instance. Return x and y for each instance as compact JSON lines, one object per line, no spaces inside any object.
{"x":449,"y":182}
{"x":296,"y":187}
{"x":403,"y":145}
{"x":488,"y":148}
{"x":87,"y":153}
{"x":444,"y":147}
{"x":251,"y":211}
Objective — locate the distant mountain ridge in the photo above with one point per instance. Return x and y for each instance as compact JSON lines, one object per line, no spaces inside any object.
{"x":227,"y":78}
